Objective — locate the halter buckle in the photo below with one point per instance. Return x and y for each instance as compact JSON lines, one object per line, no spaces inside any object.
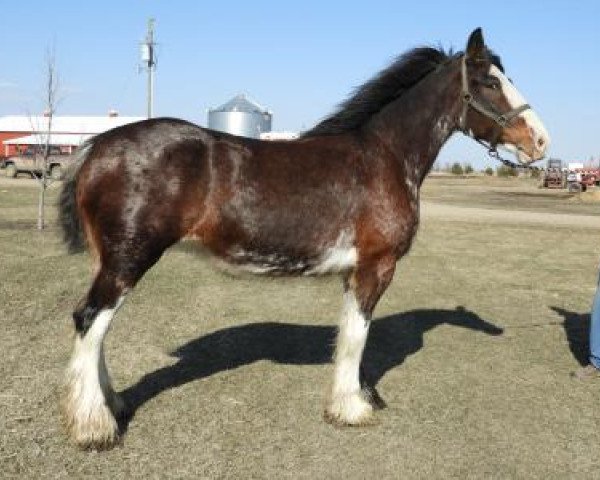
{"x":502,"y":121}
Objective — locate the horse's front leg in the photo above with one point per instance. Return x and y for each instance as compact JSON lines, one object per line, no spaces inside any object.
{"x":347,"y":404}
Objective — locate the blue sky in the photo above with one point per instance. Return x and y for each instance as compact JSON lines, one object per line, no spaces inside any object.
{"x":298,"y":59}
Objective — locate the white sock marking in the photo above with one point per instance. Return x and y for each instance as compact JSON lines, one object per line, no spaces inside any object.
{"x":88,"y":381}
{"x":347,"y":404}
{"x":352,"y":336}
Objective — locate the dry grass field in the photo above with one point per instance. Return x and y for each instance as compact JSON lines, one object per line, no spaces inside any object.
{"x":472,"y":349}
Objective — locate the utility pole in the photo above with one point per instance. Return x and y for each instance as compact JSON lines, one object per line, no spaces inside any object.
{"x":149,"y":61}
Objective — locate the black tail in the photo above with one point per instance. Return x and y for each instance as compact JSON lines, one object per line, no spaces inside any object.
{"x":68,"y":215}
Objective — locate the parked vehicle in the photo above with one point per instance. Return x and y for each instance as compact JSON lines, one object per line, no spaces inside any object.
{"x":573,"y":176}
{"x":574,"y":183}
{"x":580,"y":179}
{"x":33,"y":163}
{"x":554,"y":176}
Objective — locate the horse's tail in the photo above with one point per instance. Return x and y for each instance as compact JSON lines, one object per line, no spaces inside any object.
{"x":68,"y":214}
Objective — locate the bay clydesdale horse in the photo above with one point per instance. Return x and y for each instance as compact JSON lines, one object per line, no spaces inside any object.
{"x":343,"y":198}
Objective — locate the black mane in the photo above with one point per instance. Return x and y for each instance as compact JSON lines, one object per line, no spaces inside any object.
{"x":389,"y":84}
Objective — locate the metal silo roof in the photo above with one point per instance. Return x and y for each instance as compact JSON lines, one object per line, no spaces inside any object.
{"x":240,"y":103}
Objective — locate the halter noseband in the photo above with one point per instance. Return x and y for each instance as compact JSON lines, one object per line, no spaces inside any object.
{"x":501,"y":119}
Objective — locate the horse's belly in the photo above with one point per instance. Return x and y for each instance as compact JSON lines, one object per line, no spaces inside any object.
{"x":288,"y":239}
{"x":332,"y":260}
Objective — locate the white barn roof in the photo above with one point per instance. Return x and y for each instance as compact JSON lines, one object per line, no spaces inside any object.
{"x":74,"y":139}
{"x":60,"y":124}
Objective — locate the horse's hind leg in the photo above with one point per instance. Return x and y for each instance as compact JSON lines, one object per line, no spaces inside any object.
{"x":90,"y":404}
{"x":348,"y":405}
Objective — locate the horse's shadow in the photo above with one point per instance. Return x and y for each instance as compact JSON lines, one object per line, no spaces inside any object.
{"x":577,"y":329}
{"x":391,"y":340}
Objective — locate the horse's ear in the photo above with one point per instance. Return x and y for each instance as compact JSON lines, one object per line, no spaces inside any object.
{"x":475,"y":44}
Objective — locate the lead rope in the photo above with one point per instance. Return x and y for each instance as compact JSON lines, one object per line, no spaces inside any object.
{"x":493,"y":153}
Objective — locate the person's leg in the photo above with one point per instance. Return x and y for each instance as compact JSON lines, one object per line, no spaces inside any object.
{"x":595,"y":331}
{"x":593,"y":369}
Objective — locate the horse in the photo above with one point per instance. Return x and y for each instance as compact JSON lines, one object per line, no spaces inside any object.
{"x":343,"y":199}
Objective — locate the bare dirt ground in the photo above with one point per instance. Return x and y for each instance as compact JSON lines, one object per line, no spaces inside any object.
{"x":431,"y":210}
{"x":472,"y":349}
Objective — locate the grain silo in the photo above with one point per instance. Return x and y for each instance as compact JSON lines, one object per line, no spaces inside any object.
{"x":240,"y":116}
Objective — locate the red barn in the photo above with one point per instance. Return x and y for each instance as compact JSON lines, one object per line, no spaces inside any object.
{"x":18,"y":133}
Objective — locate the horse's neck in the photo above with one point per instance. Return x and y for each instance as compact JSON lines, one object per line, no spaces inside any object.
{"x":416,"y":126}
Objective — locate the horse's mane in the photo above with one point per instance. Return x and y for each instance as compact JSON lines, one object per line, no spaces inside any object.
{"x":389,"y":84}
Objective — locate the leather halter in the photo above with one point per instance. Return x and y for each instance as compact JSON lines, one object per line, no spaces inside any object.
{"x":501,"y":119}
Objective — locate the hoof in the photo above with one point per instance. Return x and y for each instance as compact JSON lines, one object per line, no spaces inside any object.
{"x":89,"y":421}
{"x":349,"y":411}
{"x":93,"y":430}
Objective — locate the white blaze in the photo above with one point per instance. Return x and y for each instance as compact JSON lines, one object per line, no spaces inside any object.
{"x":540,"y":136}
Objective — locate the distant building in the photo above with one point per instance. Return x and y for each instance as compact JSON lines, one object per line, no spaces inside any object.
{"x":240,"y":116}
{"x":20,"y":132}
{"x":284,"y":135}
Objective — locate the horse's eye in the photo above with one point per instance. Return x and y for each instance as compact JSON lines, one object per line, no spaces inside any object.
{"x":492,"y":82}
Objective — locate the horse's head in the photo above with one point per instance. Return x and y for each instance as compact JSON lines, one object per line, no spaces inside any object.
{"x":493,"y":109}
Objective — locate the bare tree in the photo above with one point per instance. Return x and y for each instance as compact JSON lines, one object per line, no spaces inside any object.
{"x":44,"y":133}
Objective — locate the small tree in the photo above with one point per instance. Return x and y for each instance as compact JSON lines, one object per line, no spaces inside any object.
{"x":456,"y":169}
{"x":467,"y":168}
{"x":42,"y":150}
{"x":489,"y":171}
{"x":505,"y":171}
